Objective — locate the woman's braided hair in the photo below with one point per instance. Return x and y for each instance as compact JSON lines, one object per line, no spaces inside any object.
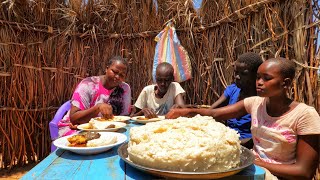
{"x":116,"y":100}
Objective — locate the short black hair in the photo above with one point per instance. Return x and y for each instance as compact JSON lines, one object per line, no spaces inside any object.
{"x":119,"y":59}
{"x":165,"y":66}
{"x":287,"y":67}
{"x":252,"y":60}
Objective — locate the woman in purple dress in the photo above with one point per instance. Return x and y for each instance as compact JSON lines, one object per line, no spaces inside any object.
{"x":103,"y":96}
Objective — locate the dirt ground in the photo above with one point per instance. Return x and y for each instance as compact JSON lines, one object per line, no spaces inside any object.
{"x":15,"y":173}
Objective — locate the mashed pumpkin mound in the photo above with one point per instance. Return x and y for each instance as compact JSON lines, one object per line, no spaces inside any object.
{"x":185,"y":144}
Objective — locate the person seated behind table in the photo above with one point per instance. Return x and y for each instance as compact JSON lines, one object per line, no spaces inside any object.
{"x":157,"y":99}
{"x":104,"y":96}
{"x":245,"y":71}
{"x":285,"y":132}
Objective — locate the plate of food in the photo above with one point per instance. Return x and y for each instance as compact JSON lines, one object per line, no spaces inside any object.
{"x":107,"y":126}
{"x":115,"y":118}
{"x":144,"y":120}
{"x":87,"y":143}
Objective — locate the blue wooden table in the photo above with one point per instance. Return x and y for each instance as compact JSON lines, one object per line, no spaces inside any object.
{"x":62,"y":164}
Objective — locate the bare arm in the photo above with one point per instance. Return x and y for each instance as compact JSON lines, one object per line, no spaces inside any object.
{"x":307,"y":160}
{"x":78,"y":116}
{"x":179,"y":100}
{"x":220,"y":114}
{"x":221,"y":100}
{"x":135,"y":111}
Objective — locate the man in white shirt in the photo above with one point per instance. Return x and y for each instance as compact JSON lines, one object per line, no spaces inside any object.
{"x":157,"y":99}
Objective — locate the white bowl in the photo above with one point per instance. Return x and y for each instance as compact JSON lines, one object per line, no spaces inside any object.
{"x":62,"y":143}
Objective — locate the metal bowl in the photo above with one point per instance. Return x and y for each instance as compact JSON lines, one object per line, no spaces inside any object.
{"x":246,"y":159}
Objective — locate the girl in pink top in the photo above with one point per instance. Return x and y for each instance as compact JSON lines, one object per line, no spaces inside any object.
{"x":285,"y":132}
{"x":105,"y":95}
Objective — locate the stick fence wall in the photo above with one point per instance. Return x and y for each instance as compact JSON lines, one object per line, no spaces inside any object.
{"x":47,"y":47}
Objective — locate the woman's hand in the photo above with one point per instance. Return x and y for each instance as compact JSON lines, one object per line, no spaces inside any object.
{"x":149,"y":113}
{"x":106,"y":110}
{"x":73,"y":127}
{"x":133,"y":110}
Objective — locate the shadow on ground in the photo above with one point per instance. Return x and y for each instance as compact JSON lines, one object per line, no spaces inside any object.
{"x":16,"y":172}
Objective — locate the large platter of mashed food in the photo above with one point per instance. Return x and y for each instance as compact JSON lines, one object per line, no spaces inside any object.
{"x":197,"y":147}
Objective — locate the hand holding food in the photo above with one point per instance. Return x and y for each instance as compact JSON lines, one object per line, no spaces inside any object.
{"x":106,"y":110}
{"x":73,"y":127}
{"x":149,"y":113}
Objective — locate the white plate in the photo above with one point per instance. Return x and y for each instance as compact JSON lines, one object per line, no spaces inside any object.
{"x":63,"y":142}
{"x":101,"y":125}
{"x":136,"y":118}
{"x":115,"y":119}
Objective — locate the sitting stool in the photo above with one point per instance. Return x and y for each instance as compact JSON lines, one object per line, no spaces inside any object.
{"x":53,"y":125}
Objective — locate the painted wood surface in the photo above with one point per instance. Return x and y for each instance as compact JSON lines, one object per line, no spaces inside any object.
{"x":62,"y":164}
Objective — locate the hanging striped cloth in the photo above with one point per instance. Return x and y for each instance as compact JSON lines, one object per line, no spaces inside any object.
{"x":169,"y":49}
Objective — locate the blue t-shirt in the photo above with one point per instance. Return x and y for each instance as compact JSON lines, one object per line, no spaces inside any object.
{"x":242,"y":124}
